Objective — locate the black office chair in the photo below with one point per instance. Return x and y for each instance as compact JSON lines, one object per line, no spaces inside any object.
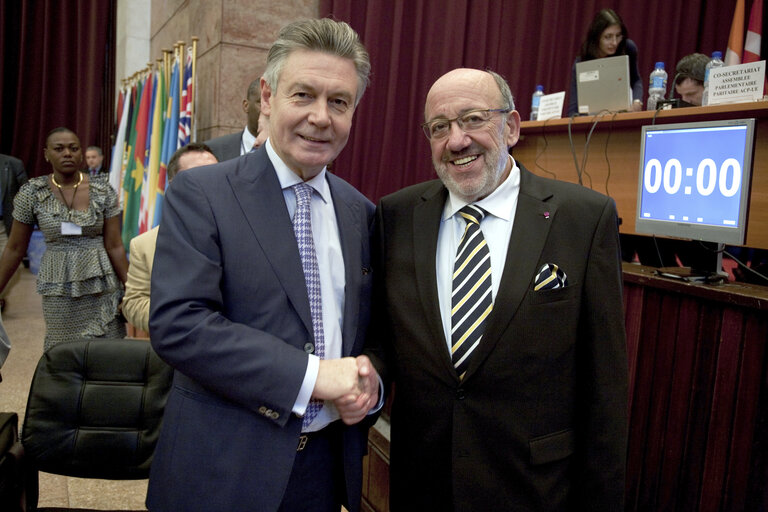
{"x":94,"y":410}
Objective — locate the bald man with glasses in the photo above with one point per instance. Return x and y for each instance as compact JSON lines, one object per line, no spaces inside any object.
{"x":498,"y":316}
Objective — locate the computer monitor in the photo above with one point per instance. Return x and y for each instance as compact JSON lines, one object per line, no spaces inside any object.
{"x":694,"y":180}
{"x":603,"y":85}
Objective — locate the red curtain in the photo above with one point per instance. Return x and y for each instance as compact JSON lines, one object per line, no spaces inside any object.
{"x":57,"y":69}
{"x":412,"y":43}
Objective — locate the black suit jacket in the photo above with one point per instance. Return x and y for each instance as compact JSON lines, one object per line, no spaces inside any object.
{"x":12,"y":177}
{"x":226,"y":147}
{"x":540,"y":420}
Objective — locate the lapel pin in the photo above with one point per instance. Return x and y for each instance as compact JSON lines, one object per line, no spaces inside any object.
{"x":546,"y":215}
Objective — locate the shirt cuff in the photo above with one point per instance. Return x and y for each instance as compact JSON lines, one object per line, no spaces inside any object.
{"x":379,"y":405}
{"x":307,"y":386}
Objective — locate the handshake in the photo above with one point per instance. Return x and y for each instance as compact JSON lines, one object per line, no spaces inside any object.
{"x":351,"y":383}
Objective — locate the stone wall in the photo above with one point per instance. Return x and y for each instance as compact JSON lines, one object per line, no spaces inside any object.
{"x":234,"y":38}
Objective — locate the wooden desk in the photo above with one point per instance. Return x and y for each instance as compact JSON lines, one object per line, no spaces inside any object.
{"x":613,"y":155}
{"x":698,"y":399}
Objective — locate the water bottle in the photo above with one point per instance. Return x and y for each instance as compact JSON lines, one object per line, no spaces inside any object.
{"x":657,"y":85}
{"x":535,"y":100}
{"x":715,"y":62}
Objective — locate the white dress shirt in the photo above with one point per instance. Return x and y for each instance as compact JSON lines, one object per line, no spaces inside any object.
{"x":246,"y":142}
{"x":330,"y":260}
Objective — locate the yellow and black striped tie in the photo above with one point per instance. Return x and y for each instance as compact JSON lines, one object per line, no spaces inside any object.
{"x":471,"y":300}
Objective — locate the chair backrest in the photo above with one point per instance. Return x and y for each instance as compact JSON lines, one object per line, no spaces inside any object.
{"x":95,"y":407}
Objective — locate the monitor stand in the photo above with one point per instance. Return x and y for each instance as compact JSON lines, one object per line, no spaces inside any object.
{"x":715,"y":276}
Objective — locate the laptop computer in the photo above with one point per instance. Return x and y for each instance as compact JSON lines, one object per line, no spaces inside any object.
{"x":603,"y":84}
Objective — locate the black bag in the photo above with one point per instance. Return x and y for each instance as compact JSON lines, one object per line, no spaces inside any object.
{"x":11,"y":464}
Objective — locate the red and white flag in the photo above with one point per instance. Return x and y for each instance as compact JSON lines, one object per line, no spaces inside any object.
{"x":752,"y":42}
{"x":754,"y":36}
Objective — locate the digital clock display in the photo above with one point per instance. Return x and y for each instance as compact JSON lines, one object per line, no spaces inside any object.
{"x":695,"y":174}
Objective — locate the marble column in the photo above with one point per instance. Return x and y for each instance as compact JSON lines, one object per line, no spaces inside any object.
{"x":234,"y":38}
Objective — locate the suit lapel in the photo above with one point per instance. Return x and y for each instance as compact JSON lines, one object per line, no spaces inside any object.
{"x":426,"y":224}
{"x":351,"y":223}
{"x":533,"y":218}
{"x":258,"y":193}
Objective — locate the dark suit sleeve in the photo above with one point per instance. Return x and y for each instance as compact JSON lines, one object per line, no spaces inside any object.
{"x":378,"y":333}
{"x":635,"y":79}
{"x":573,"y":98}
{"x":200,"y":324}
{"x":16,"y":176}
{"x":602,"y":375}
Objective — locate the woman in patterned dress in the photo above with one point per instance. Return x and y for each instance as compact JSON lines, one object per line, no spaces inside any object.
{"x":84,"y":267}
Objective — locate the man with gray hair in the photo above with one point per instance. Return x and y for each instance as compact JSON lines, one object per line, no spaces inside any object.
{"x":500,"y":322}
{"x":261,"y":299}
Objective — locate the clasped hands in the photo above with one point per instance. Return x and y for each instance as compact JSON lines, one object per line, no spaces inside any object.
{"x":351,"y":383}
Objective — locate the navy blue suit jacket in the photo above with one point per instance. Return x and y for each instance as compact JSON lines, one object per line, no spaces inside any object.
{"x":229,"y":311}
{"x":227,"y":146}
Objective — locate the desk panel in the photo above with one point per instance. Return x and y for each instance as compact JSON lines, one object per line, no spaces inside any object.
{"x":613,"y":155}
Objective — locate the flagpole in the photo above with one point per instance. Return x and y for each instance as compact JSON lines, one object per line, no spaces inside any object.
{"x":193,"y":121}
{"x":180,"y":53}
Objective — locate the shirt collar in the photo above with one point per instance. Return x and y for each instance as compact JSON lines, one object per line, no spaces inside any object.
{"x":497,"y":203}
{"x":248,"y":140}
{"x":288,"y":178}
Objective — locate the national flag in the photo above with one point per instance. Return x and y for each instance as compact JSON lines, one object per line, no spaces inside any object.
{"x":185,"y":114}
{"x":118,"y":150}
{"x":736,"y":37}
{"x":170,"y":138}
{"x":119,"y":109}
{"x":134,"y":174}
{"x":149,"y":187}
{"x":129,"y":162}
{"x":754,"y":36}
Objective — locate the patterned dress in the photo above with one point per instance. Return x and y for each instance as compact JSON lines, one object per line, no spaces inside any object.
{"x":80,"y":289}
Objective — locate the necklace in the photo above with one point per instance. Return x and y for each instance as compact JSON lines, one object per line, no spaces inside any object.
{"x":61,"y":191}
{"x":60,"y":187}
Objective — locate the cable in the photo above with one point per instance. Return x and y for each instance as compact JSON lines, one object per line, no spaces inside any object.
{"x":573,"y":148}
{"x":744,"y":265}
{"x":546,"y":144}
{"x":607,"y":161}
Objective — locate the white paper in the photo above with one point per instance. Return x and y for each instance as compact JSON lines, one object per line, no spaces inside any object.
{"x":737,"y":84}
{"x":70,"y":228}
{"x":551,"y":106}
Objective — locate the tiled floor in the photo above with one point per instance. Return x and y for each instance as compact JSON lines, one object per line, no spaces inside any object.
{"x":23,"y":320}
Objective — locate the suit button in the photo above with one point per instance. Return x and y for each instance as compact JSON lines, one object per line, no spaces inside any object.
{"x":274,"y":415}
{"x":461,"y":394}
{"x":262,"y":410}
{"x":309,"y":348}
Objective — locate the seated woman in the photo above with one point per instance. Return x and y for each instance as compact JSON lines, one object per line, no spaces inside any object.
{"x":607,"y":37}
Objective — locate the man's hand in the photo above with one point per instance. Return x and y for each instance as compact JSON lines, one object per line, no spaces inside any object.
{"x":337,"y":378}
{"x":354,"y":408}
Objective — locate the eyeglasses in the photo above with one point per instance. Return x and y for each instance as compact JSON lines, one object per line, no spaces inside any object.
{"x":612,"y":37}
{"x":468,"y":121}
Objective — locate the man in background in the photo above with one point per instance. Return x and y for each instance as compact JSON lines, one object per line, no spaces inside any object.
{"x":12,"y":177}
{"x":261,"y":299}
{"x":239,"y":143}
{"x":94,"y":158}
{"x":137,"y":286}
{"x":498,"y":315}
{"x":690,"y":73}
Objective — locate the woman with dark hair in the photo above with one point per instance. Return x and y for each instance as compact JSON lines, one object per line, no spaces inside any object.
{"x":84,"y":266}
{"x":607,"y":37}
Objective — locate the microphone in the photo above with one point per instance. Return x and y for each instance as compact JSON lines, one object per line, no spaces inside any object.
{"x":672,"y":87}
